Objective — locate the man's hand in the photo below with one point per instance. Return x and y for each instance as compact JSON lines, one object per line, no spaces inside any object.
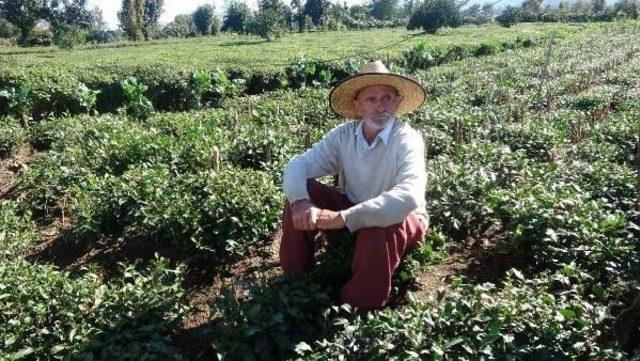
{"x":301,"y":214}
{"x":329,"y":220}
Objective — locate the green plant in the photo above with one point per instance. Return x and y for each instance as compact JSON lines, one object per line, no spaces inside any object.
{"x":201,"y":82}
{"x":539,"y":318}
{"x":19,"y":101}
{"x":50,"y":314}
{"x":224,"y":87}
{"x":12,"y":134}
{"x":269,"y":324}
{"x":87,"y":97}
{"x":137,"y":104}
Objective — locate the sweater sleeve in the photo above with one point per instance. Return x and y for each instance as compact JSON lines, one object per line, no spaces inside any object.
{"x":318,"y":161}
{"x":392,"y":206}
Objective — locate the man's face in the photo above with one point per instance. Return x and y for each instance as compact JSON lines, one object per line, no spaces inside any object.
{"x":377,"y":104}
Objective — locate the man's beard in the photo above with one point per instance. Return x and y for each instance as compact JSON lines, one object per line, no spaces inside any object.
{"x":378,"y":121}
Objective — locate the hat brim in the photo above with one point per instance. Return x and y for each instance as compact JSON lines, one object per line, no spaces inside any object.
{"x":412,"y":94}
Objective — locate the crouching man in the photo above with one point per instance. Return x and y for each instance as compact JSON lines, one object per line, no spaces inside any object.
{"x":380,"y":163}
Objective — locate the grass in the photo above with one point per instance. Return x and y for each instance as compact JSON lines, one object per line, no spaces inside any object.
{"x":253,"y":53}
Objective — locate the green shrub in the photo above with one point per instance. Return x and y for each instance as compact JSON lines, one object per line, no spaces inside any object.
{"x":136,"y":103}
{"x":48,"y":314}
{"x":542,"y":318}
{"x":223,"y":212}
{"x":488,"y":48}
{"x":12,"y":134}
{"x":274,"y":318}
{"x":17,"y":231}
{"x":17,"y":101}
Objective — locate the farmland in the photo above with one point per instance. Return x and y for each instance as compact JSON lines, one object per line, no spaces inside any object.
{"x":143,"y":234}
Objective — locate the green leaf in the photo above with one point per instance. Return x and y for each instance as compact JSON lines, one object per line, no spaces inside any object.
{"x":22,"y":353}
{"x":568,"y":313}
{"x":302,"y":347}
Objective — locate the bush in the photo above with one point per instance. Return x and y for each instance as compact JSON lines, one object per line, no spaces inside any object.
{"x":136,"y":103}
{"x":542,"y":318}
{"x":18,"y":101}
{"x":488,"y":48}
{"x":215,"y":211}
{"x":103,"y":36}
{"x":12,"y":134}
{"x":67,"y":36}
{"x":272,"y":321}
{"x":40,"y":36}
{"x":50,"y":314}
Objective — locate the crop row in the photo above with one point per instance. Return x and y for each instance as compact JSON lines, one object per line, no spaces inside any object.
{"x":42,"y":90}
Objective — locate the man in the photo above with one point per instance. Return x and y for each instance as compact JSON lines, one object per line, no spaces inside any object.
{"x":382,"y":179}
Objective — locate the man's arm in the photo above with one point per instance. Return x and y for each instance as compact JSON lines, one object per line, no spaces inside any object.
{"x":392,"y":206}
{"x":318,"y":161}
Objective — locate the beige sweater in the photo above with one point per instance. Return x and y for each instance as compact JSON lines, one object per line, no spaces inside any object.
{"x":385,"y":181}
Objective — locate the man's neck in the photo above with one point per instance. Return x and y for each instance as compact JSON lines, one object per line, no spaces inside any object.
{"x":370,"y":133}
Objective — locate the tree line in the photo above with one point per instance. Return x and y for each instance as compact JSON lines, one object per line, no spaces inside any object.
{"x":70,"y":22}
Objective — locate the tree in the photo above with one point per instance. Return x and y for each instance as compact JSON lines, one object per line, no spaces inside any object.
{"x":298,"y":14}
{"x":72,"y":21}
{"x":131,"y":17}
{"x":627,"y":8}
{"x":23,"y":14}
{"x":182,"y":26}
{"x":383,"y":9}
{"x":237,"y":18}
{"x":7,"y":29}
{"x":509,"y":16}
{"x":563,"y":6}
{"x":532,"y":7}
{"x":358,"y":11}
{"x":598,"y":6}
{"x":272,"y":19}
{"x":316,"y":9}
{"x":487,"y":10}
{"x":71,"y":13}
{"x":582,"y":7}
{"x":409,"y":6}
{"x":203,"y":17}
{"x":431,"y":15}
{"x":152,"y":11}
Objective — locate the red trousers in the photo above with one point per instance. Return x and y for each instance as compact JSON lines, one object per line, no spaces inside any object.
{"x":377,"y":255}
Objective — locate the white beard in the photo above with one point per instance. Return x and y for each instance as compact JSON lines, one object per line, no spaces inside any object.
{"x":378,"y":122}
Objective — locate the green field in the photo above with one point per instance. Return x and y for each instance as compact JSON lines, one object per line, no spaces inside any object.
{"x":155,"y":236}
{"x":256,"y":54}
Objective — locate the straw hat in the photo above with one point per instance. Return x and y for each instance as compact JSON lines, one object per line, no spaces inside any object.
{"x":411,"y":93}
